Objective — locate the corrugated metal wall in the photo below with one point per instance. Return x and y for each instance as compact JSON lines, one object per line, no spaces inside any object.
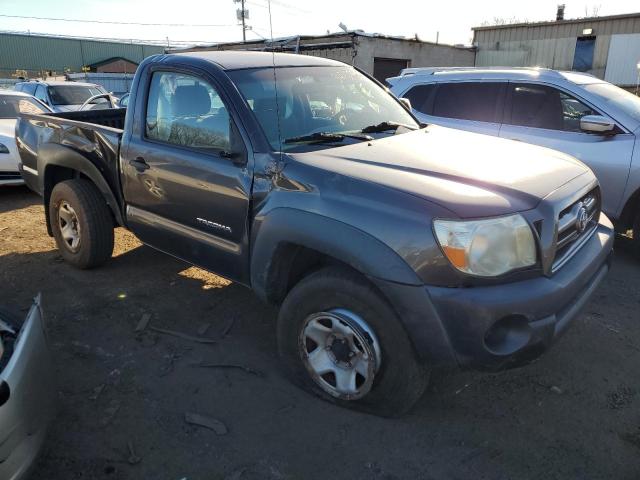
{"x":624,"y":56}
{"x":551,"y":44}
{"x":118,"y":83}
{"x":37,"y":53}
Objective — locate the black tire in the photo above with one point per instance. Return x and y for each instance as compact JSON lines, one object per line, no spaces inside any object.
{"x":636,"y":236}
{"x":94,"y":220}
{"x":400,"y":380}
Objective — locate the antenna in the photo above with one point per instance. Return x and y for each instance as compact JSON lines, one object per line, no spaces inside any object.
{"x":275,"y":83}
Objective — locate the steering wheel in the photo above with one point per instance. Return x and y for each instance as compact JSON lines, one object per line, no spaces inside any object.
{"x":91,"y":100}
{"x":347,"y":116}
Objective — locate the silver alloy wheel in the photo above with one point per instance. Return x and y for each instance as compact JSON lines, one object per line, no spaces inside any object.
{"x":341,"y":353}
{"x":69,"y":226}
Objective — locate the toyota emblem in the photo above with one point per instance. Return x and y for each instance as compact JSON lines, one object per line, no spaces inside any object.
{"x":583,"y":220}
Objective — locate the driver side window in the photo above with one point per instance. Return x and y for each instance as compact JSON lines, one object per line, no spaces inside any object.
{"x":542,"y":106}
{"x":186,"y":111}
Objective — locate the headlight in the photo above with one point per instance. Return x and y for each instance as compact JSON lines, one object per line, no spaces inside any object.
{"x":3,"y":148}
{"x":489,"y":247}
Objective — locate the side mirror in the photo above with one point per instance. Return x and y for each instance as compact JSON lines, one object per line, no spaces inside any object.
{"x":237,"y":152}
{"x":596,"y":124}
{"x":406,"y":102}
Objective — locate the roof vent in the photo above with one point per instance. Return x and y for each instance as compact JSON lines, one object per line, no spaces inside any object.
{"x":560,"y":13}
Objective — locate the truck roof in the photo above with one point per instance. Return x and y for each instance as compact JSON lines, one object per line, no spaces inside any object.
{"x":236,"y":60}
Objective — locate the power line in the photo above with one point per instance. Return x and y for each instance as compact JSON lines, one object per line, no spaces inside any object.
{"x":126,"y":41}
{"x":279,"y":4}
{"x":118,"y":23}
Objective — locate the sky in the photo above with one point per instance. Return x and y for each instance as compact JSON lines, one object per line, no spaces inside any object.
{"x":211,"y":21}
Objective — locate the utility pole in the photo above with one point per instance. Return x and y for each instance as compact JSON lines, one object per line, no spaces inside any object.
{"x":242,"y":14}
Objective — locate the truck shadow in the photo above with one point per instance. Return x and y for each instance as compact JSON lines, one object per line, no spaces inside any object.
{"x":13,"y":198}
{"x":117,"y":385}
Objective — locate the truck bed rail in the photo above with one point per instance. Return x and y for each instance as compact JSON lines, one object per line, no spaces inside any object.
{"x":111,"y":117}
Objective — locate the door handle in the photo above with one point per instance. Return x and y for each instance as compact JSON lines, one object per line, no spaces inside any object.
{"x":139,"y":164}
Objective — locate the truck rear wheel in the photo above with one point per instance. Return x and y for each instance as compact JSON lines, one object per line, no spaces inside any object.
{"x":81,"y":222}
{"x":342,"y":341}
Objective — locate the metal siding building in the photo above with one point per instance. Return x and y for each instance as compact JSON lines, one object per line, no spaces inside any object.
{"x":553,"y":45}
{"x":620,"y":69}
{"x":36,"y":53}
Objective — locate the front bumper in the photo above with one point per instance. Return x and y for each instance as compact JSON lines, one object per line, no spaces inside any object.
{"x":10,"y":178}
{"x":27,"y":410}
{"x":501,"y":326}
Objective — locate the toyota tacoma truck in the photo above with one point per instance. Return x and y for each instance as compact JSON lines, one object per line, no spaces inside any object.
{"x":390,"y":247}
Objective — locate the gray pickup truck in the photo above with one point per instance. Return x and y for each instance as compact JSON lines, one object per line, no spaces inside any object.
{"x":391,"y":247}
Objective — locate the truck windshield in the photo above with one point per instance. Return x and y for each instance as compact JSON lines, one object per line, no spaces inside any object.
{"x":319,"y":107}
{"x":13,"y":105}
{"x":73,"y":94}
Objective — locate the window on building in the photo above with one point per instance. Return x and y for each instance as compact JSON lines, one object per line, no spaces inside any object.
{"x":583,"y":57}
{"x":540,"y":106}
{"x":476,"y":101}
{"x":420,"y":97}
{"x":186,"y":111}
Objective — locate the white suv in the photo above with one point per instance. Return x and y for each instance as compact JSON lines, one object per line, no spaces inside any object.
{"x":12,"y":104}
{"x":574,"y":113}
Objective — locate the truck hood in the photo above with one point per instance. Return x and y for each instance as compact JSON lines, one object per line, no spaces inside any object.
{"x":471,"y":175}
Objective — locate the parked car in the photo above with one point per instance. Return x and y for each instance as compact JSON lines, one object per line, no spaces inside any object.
{"x":13,"y":104}
{"x":575,"y":113}
{"x":389,"y":248}
{"x":27,"y":391}
{"x":67,"y":96}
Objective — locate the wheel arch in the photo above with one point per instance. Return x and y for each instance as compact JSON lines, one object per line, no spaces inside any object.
{"x":290,"y":244}
{"x":629,"y":211}
{"x":61,"y":163}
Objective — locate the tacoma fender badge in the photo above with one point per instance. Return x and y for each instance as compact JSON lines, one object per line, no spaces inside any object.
{"x":215,"y":225}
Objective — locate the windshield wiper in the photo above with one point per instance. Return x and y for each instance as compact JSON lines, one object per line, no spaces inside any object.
{"x":385,"y":127}
{"x":327,"y":137}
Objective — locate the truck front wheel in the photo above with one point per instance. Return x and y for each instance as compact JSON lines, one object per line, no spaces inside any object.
{"x":636,"y":235}
{"x":81,"y":223}
{"x":342,"y":341}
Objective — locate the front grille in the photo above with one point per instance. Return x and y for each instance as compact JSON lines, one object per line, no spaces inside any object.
{"x":576,"y":223}
{"x":10,"y":176}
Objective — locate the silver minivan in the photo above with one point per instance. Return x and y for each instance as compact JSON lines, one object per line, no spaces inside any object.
{"x":575,"y":113}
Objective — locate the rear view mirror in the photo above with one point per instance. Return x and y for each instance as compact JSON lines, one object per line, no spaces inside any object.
{"x":406,"y":102}
{"x":596,"y":124}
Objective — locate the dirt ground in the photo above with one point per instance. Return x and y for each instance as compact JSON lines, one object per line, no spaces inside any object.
{"x":574,"y":414}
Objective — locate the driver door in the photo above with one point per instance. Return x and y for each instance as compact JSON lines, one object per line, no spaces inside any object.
{"x":185,"y":175}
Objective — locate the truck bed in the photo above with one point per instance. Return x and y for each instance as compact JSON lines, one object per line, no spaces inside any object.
{"x":111,"y":117}
{"x":92,"y":135}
